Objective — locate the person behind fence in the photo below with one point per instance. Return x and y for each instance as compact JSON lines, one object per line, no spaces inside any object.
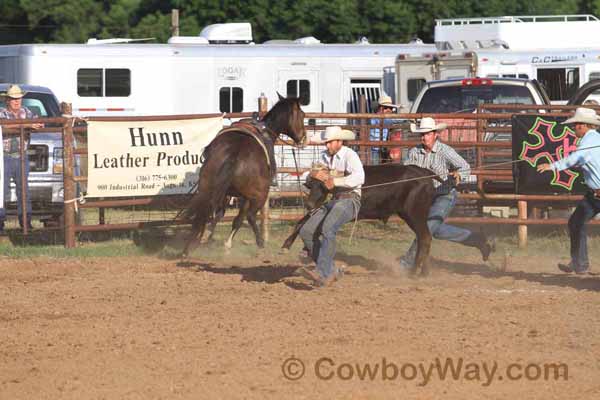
{"x":446,"y":163}
{"x":344,"y":175}
{"x":12,"y":158}
{"x":587,"y":157}
{"x":384,"y":107}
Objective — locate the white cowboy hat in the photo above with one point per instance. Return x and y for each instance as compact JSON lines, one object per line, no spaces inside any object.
{"x":14,"y":92}
{"x":336,"y":133}
{"x":386,"y":101}
{"x":584,"y":116}
{"x":427,"y":124}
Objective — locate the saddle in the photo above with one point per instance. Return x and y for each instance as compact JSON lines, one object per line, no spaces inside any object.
{"x":257,"y":130}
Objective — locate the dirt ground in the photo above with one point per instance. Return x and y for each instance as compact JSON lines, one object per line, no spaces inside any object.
{"x":154,"y":328}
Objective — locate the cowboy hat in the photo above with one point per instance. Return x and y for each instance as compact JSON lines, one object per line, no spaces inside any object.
{"x":14,"y":92}
{"x":386,"y":101}
{"x":427,"y":124}
{"x":337,"y":133}
{"x":585,"y":116}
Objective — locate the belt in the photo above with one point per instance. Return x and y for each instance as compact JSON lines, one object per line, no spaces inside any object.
{"x":346,"y":195}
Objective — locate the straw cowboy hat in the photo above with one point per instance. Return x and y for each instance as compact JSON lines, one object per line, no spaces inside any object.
{"x":427,"y":124}
{"x":386,"y":101}
{"x":337,"y":133}
{"x":584,"y":116}
{"x":14,"y":92}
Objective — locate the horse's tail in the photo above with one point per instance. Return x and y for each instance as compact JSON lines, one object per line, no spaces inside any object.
{"x":211,"y":190}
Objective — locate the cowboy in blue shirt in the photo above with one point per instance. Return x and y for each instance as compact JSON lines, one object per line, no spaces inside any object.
{"x":586,"y":157}
{"x":385,"y":106}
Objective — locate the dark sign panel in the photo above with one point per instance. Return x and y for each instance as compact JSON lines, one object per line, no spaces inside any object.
{"x":538,"y":139}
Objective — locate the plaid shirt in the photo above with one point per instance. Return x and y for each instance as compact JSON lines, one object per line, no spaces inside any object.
{"x":440,"y":160}
{"x":11,"y":144}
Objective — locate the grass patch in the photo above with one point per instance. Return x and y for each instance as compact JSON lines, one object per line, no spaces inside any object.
{"x":372,"y":243}
{"x":112,"y":248}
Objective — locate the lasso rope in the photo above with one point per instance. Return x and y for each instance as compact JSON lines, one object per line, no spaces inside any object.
{"x":489,"y":166}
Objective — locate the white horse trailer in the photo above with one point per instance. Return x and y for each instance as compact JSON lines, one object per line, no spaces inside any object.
{"x":219,"y":71}
{"x":560,"y":51}
{"x":216,"y":72}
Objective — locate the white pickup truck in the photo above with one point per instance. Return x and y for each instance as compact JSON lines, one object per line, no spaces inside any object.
{"x":45,"y":156}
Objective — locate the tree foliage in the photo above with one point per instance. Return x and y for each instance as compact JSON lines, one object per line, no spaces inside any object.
{"x":341,"y":21}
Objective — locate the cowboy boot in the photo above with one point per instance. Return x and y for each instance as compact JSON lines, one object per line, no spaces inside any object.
{"x":479,"y":240}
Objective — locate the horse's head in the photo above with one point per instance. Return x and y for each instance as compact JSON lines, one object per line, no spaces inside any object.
{"x":317,"y":192}
{"x":287,"y":117}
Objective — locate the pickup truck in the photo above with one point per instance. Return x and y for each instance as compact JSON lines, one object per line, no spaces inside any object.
{"x":45,"y":157}
{"x":464,"y":95}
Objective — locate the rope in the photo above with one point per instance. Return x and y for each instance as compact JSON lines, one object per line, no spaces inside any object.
{"x":80,"y":199}
{"x":353,"y":227}
{"x":483,"y":167}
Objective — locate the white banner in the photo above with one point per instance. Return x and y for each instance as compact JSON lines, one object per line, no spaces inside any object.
{"x":144,"y":158}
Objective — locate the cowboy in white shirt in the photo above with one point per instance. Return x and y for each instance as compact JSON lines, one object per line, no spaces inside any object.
{"x":345,"y":176}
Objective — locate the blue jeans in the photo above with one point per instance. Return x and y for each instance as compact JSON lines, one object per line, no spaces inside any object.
{"x":439,"y":211}
{"x":318,"y":233}
{"x":585,"y":211}
{"x":12,"y":169}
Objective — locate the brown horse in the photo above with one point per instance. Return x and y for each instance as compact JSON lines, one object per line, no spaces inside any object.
{"x":236,"y":165}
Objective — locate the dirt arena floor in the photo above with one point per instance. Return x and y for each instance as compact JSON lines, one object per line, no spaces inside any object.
{"x":154,"y":328}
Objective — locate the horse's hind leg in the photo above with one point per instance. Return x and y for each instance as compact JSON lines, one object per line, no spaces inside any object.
{"x":237,"y":222}
{"x":195,"y":237}
{"x":213,"y":224}
{"x":255,"y":206}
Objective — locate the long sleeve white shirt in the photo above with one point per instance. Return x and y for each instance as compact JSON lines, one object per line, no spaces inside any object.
{"x":348,"y":167}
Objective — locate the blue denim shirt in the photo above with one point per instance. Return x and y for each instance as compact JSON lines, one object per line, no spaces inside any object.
{"x":374,"y":133}
{"x":587,"y":157}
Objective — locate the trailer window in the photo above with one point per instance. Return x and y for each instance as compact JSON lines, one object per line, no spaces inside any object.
{"x":231,"y":99}
{"x":413,"y":87}
{"x":370,"y":89}
{"x":89,"y":82}
{"x":118,"y":82}
{"x":299,"y":88}
{"x":560,"y":83}
{"x":98,"y":82}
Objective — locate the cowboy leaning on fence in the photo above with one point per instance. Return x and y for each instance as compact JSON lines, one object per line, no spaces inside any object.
{"x":12,"y":156}
{"x":345,"y":180}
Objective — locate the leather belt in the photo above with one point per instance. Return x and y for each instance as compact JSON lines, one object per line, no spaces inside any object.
{"x":346,"y":195}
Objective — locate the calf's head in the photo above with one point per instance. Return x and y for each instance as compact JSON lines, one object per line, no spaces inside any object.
{"x":317,"y":193}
